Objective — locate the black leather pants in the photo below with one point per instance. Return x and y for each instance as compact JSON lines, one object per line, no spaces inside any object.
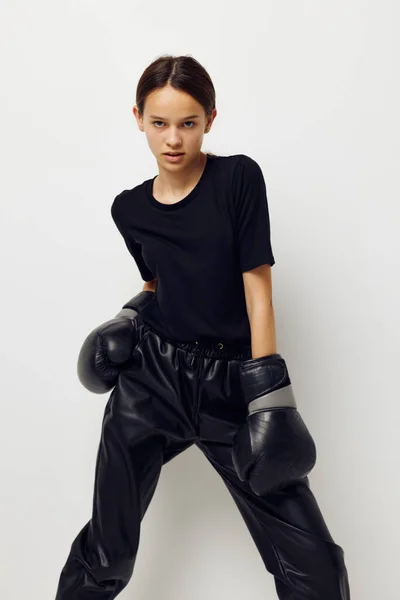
{"x":171,"y":396}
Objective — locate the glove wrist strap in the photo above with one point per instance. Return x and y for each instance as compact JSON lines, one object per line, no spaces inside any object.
{"x":282,"y":398}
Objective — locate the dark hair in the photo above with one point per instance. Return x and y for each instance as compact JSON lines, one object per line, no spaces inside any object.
{"x":183,"y":73}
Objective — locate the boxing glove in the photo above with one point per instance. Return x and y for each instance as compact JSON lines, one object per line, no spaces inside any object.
{"x":274,"y":447}
{"x":109,"y":346}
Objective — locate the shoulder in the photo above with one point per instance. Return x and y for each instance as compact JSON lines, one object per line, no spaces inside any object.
{"x":240,"y":166}
{"x":128,"y":194}
{"x":230,"y":160}
{"x":246,"y":175}
{"x":240,"y":174}
{"x":237,"y":166}
{"x":124,"y":200}
{"x":245,"y":164}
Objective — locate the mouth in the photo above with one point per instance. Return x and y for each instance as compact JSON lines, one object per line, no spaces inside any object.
{"x":173,"y":153}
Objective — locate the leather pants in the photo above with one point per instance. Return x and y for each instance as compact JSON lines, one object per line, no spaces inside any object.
{"x":170,"y":396}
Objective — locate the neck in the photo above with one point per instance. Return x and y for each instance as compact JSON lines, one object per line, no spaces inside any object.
{"x":174,"y":183}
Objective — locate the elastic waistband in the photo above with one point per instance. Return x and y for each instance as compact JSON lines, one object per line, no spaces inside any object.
{"x":216,"y":348}
{"x":206,"y":346}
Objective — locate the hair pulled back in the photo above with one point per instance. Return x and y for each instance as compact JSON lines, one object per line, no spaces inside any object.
{"x":183,"y":73}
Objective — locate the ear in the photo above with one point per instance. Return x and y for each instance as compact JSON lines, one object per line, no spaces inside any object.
{"x":138,"y":118}
{"x":211,"y":119}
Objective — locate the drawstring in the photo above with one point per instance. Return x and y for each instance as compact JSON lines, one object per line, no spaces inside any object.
{"x":199,"y":357}
{"x":196,"y":382}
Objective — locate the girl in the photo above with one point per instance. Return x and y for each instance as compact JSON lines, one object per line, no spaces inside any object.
{"x":203,"y":369}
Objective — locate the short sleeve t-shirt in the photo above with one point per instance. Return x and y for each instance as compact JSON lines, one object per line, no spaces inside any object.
{"x":198,"y":248}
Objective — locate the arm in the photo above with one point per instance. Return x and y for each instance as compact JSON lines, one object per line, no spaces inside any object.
{"x":258,"y":294}
{"x":150,"y":286}
{"x":274,"y":447}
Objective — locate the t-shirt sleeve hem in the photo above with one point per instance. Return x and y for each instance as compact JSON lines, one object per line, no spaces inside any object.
{"x":268,"y":260}
{"x":147,"y":276}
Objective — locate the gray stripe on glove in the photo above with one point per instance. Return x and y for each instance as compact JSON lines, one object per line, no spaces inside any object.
{"x":282,"y":398}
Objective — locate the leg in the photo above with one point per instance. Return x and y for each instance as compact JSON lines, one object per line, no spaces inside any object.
{"x":134,"y":444}
{"x":287,"y":526}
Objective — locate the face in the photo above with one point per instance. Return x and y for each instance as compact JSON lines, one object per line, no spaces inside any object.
{"x":173,"y":122}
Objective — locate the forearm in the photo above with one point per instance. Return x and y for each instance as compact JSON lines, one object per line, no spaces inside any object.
{"x":262,"y":327}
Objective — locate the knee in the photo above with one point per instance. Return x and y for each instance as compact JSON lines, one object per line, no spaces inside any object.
{"x":120,"y":570}
{"x":324,"y":578}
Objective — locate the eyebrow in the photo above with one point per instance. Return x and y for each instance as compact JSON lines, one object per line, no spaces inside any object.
{"x":184,"y":119}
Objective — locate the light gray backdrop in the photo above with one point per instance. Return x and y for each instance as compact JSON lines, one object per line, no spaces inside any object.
{"x":309,"y":90}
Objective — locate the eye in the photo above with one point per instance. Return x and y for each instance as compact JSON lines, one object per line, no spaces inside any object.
{"x":192,"y":122}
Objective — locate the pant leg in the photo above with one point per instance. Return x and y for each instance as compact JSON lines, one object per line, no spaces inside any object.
{"x":287,"y":526}
{"x":143,"y":427}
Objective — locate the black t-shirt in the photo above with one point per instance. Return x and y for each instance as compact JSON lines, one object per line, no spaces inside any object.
{"x":198,"y":248}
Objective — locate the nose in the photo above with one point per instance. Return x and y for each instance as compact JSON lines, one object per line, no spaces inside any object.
{"x":173,"y":140}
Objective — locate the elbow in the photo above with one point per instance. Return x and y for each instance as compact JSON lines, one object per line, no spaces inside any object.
{"x":150,"y":286}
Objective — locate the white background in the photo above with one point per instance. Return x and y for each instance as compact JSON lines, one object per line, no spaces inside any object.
{"x":309,"y":90}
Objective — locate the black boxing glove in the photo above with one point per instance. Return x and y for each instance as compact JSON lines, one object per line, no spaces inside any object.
{"x":274,"y":447}
{"x":109,"y":346}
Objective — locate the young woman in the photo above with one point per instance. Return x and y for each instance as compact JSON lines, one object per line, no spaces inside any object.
{"x":192,"y":358}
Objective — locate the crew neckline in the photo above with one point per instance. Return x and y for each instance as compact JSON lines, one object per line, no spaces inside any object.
{"x":187,"y":199}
